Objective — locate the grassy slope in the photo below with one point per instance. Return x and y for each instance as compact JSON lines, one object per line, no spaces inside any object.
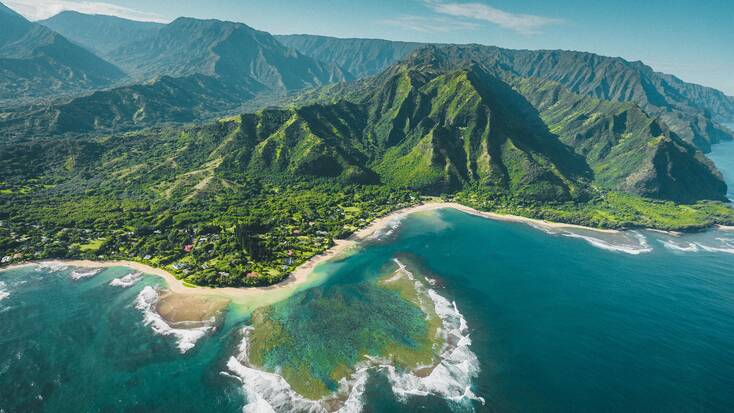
{"x":256,"y":195}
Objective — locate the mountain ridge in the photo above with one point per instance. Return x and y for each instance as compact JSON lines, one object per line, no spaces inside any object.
{"x":695,"y":112}
{"x":38,"y":62}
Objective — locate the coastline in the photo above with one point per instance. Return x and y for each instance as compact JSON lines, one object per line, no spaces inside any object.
{"x":382,"y":222}
{"x":301,"y":275}
{"x":175,"y":286}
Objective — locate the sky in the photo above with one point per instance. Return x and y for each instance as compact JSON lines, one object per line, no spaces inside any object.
{"x":692,"y":39}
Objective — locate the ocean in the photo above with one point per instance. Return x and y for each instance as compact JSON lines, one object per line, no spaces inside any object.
{"x":543,"y":320}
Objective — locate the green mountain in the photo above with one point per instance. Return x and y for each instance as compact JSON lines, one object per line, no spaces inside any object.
{"x":234,"y":52}
{"x":259,"y":193}
{"x":164,"y":100}
{"x":436,"y":128}
{"x":99,"y":33}
{"x":228,"y":50}
{"x":694,"y":112}
{"x":435,"y":123}
{"x":360,"y":57}
{"x":197,"y":69}
{"x":36,"y":62}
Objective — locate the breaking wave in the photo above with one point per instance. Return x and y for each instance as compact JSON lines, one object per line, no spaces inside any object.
{"x":628,"y":242}
{"x":266,"y":392}
{"x":680,"y":246}
{"x":450,"y":378}
{"x":128,"y":280}
{"x":389,"y":229}
{"x":641,"y":247}
{"x":3,"y":291}
{"x":51,"y":267}
{"x":725,"y":245}
{"x":82,"y":273}
{"x":186,"y":338}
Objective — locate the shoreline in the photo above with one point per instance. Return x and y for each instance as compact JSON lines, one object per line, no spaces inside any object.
{"x":302,"y":273}
{"x":176,"y":286}
{"x":382,"y":222}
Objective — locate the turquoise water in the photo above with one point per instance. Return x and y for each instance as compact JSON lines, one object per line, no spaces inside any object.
{"x":555,"y":322}
{"x":80,"y":345}
{"x":558,"y":322}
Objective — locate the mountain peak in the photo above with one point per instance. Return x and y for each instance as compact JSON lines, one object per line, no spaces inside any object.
{"x":5,"y":10}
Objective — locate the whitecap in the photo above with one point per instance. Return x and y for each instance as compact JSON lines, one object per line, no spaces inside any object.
{"x":127,"y":281}
{"x":3,"y":291}
{"x":682,"y":246}
{"x":266,"y":392}
{"x":388,"y":229}
{"x":725,"y":248}
{"x":186,"y":338}
{"x":451,"y":378}
{"x":51,"y":267}
{"x":82,"y":273}
{"x":641,"y":247}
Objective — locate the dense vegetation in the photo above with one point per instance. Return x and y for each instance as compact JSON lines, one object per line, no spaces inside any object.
{"x":175,"y":199}
{"x":694,"y":112}
{"x":244,"y":199}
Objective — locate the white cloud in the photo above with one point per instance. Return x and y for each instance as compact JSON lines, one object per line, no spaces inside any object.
{"x":43,"y":9}
{"x":429,"y":24}
{"x":521,"y":23}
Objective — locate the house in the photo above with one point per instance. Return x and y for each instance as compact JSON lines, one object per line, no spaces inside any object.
{"x":147,"y":257}
{"x":188,"y":247}
{"x":180,"y":266}
{"x":5,"y":259}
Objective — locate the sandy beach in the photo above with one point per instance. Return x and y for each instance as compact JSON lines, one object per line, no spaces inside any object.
{"x":302,"y":274}
{"x":176,"y":286}
{"x":380,"y":223}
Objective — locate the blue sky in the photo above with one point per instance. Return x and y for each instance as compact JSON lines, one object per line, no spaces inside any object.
{"x":691,"y":39}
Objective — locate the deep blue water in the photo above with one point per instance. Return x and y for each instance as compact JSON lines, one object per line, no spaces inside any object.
{"x":556,"y":323}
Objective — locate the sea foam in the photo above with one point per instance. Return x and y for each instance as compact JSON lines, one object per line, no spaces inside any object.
{"x":51,"y":267}
{"x":186,"y":338}
{"x":128,"y":280}
{"x":450,"y":378}
{"x":266,"y":392}
{"x":388,"y":229}
{"x":720,"y":244}
{"x":680,"y":246}
{"x":3,"y":291}
{"x":636,"y":245}
{"x":82,"y":273}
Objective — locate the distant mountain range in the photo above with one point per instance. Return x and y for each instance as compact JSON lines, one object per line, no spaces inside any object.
{"x":99,"y":33}
{"x":538,"y":125}
{"x":695,"y":112}
{"x":38,"y":62}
